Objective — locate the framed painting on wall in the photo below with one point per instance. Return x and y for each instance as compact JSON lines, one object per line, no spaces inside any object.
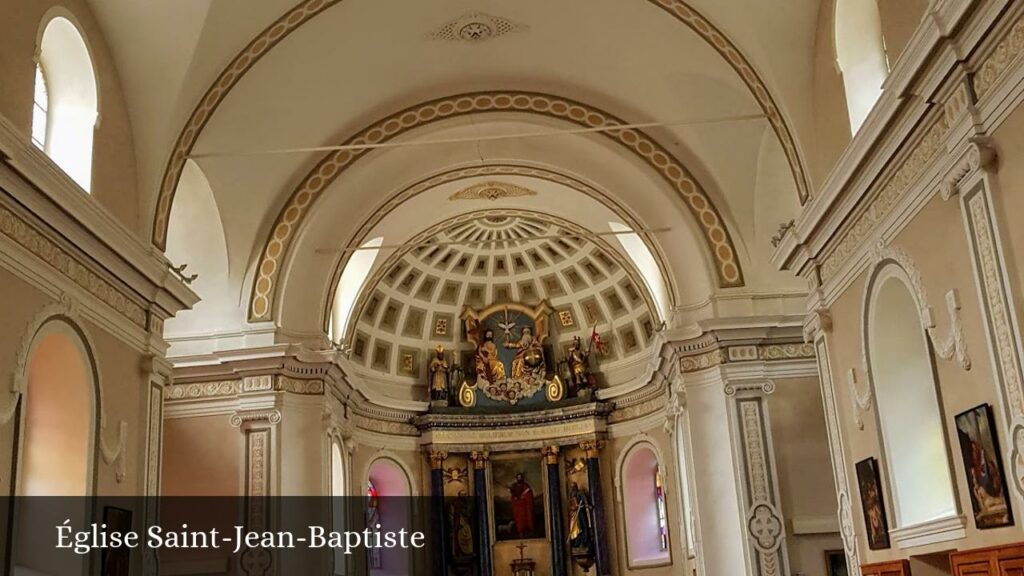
{"x":517,"y":496}
{"x":873,"y":504}
{"x":979,"y":447}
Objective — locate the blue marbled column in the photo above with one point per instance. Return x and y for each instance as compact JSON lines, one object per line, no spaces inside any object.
{"x":437,"y":524}
{"x":483,"y":526}
{"x":558,"y":541}
{"x":592,"y":449}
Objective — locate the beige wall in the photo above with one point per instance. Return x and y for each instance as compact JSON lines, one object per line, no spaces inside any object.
{"x":936,"y":243}
{"x":113,"y":180}
{"x":804,"y":471}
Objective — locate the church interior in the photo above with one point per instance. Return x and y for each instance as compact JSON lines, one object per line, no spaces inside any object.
{"x":612,"y":287}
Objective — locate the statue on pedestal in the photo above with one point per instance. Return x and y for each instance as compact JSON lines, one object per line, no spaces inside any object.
{"x":581,"y":527}
{"x":578,"y":361}
{"x":439,"y":373}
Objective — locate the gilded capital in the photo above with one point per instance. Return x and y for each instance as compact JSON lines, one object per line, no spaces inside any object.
{"x":592,"y":448}
{"x":437,"y":458}
{"x":479,"y":459}
{"x":550,"y":454}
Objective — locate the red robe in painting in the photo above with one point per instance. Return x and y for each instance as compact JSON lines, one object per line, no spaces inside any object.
{"x":522,"y":506}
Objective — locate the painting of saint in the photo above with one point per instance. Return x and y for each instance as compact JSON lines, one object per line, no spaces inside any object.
{"x":517,"y":494}
{"x":979,"y":447}
{"x":873,"y":504}
{"x":461,"y":526}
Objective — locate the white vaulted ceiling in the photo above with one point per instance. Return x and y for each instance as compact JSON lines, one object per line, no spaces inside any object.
{"x":353,"y":63}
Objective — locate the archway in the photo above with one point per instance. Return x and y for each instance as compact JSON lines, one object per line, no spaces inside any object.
{"x":644,"y":510}
{"x":908,"y":404}
{"x":389,"y":492}
{"x":58,"y":417}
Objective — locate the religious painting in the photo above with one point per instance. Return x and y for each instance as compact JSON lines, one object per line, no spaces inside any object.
{"x":517,"y":497}
{"x":835,"y":563}
{"x":116,"y":561}
{"x":460,"y":526}
{"x":979,"y":447}
{"x":873,"y":504}
{"x":509,"y":364}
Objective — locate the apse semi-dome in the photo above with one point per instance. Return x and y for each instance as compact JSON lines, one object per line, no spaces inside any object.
{"x":414,"y":300}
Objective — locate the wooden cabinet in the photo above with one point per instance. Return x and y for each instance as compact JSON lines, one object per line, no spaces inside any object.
{"x":895,"y":568}
{"x":994,"y":561}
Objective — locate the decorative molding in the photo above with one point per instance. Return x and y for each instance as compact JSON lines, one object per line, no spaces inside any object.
{"x":251,"y":384}
{"x":880,"y":207}
{"x":474,"y":27}
{"x":492,"y":190}
{"x":733,"y":388}
{"x":293,"y":213}
{"x":116,"y":455}
{"x":932,"y":532}
{"x":68,"y":265}
{"x":1006,"y":52}
{"x":765,"y":526}
{"x":271,"y":416}
{"x":861,"y":400}
{"x":980,"y":155}
{"x":954,"y":345}
{"x":840,"y":476}
{"x":292,"y":20}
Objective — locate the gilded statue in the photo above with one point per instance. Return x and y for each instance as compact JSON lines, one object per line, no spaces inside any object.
{"x":578,"y":360}
{"x":529,"y":356}
{"x":580,"y":520}
{"x":488,"y":365}
{"x":439,"y":375}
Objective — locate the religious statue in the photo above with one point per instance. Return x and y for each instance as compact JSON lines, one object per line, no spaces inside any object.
{"x":578,"y":360}
{"x":373,"y":524}
{"x":439,"y":375}
{"x":529,"y":356}
{"x":488,"y":366}
{"x":461,"y":526}
{"x":522,"y":506}
{"x":580,"y":520}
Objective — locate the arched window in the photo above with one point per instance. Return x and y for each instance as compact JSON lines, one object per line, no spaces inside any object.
{"x":388,"y":492}
{"x":40,"y":109}
{"x":352,"y":279}
{"x":645,"y":263}
{"x":65,"y":106}
{"x":643,"y":507}
{"x":908,"y":405}
{"x":860,"y":53}
{"x":338,"y":493}
{"x":59,"y":415}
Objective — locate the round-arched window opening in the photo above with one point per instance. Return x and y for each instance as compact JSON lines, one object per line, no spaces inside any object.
{"x":388,"y":506}
{"x":64,"y":121}
{"x":908,"y":405}
{"x":644,"y":508}
{"x":860,"y":53}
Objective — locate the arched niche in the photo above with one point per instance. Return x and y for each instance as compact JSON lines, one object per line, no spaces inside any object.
{"x":59,"y":416}
{"x":644,"y":510}
{"x":389,"y":483}
{"x":900,"y":366}
{"x":72,"y":109}
{"x":860,"y":53}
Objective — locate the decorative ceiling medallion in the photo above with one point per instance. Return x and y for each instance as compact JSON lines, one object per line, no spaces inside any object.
{"x":476,"y":27}
{"x":491,"y":191}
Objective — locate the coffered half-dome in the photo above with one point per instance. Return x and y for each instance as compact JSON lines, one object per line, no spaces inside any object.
{"x":490,"y":257}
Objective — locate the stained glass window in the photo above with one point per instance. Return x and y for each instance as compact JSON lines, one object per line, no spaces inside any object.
{"x":659,"y":495}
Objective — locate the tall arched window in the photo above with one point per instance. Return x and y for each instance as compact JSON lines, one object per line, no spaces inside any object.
{"x":59,"y":416}
{"x":338,"y":494}
{"x":65,"y":108}
{"x":643,"y":507}
{"x":356,"y":271}
{"x":388,"y":492}
{"x":645,"y":263}
{"x":860,"y":53}
{"x":908,"y":405}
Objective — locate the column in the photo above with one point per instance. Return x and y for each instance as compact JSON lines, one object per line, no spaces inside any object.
{"x":437,"y":523}
{"x":558,"y":541}
{"x":592,"y":450}
{"x":760,"y":503}
{"x":260,"y":430}
{"x":157,"y":375}
{"x":483,"y":525}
